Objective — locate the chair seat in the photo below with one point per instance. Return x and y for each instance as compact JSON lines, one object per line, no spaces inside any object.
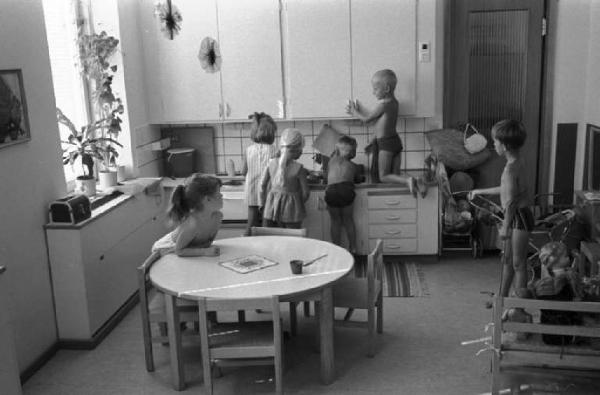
{"x":352,"y":293}
{"x":241,"y":335}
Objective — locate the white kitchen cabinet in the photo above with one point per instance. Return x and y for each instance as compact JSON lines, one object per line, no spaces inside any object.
{"x":317,"y":57}
{"x":180,"y":91}
{"x":94,"y":263}
{"x":250,"y":39}
{"x":383,"y":35}
{"x":333,"y":48}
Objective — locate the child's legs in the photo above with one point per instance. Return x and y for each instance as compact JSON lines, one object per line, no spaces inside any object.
{"x":389,"y":162}
{"x":507,"y":268}
{"x":253,"y":218}
{"x":335,"y":213}
{"x":520,"y":244}
{"x":348,"y":221}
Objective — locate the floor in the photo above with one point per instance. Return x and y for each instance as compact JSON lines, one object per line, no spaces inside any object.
{"x":420,"y":351}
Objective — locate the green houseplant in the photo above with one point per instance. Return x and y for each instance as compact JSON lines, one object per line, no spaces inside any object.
{"x":96,"y":142}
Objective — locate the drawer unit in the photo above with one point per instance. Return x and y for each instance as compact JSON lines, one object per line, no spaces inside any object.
{"x":392,"y":216}
{"x":378,"y":231}
{"x":392,"y":199}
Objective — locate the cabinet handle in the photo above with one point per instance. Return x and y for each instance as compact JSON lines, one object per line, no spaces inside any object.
{"x":392,"y":217}
{"x":393,"y":247}
{"x":392,"y":202}
{"x":393,"y":232}
{"x":220,"y":110}
{"x":101,"y":257}
{"x":154,"y":218}
{"x":227,"y":110}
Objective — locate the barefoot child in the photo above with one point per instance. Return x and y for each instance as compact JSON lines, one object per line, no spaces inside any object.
{"x":284,"y":186}
{"x":256,"y":160}
{"x":195,"y":208}
{"x":342,"y":173}
{"x":387,"y":146}
{"x":509,"y":136}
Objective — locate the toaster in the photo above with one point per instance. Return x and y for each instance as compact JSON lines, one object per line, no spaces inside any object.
{"x":70,"y":209}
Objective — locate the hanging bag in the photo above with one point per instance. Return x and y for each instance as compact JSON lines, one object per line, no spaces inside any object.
{"x":474,"y":143}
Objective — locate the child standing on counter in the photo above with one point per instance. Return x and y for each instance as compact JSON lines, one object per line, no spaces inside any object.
{"x":257,"y":157}
{"x":342,"y":173}
{"x":196,"y":209}
{"x":284,"y":186}
{"x":386,"y":146}
{"x":509,"y":136}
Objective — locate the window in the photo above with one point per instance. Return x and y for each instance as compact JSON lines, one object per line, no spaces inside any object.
{"x":69,"y":86}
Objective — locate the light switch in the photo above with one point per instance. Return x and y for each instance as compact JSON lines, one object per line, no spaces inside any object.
{"x":424,"y":52}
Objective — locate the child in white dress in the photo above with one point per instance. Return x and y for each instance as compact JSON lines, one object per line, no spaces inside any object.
{"x":256,"y":160}
{"x":284,"y":186}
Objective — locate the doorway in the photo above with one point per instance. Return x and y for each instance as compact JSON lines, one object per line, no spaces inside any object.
{"x":494,"y":71}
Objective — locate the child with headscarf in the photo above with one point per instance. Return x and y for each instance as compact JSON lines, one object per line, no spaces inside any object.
{"x":284,"y":186}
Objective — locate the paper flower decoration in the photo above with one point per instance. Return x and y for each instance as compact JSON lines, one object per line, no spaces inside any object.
{"x":210,"y":55}
{"x":170,"y":19}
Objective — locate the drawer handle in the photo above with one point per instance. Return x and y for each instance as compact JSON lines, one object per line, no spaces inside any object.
{"x":392,"y":202}
{"x":393,"y":247}
{"x":392,"y":217}
{"x":393,"y":232}
{"x":101,"y":257}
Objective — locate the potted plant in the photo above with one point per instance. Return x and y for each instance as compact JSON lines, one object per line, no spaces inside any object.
{"x":86,"y":145}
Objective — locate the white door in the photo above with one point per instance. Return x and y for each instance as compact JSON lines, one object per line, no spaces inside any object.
{"x":249,"y":33}
{"x":384,"y":37}
{"x":187,"y":92}
{"x":9,"y":369}
{"x":317,"y":43}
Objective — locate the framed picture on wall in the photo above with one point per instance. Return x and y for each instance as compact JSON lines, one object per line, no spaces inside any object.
{"x":14,"y":123}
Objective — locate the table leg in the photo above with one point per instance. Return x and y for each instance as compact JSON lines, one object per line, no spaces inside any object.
{"x":326,"y":335}
{"x":174,"y":332}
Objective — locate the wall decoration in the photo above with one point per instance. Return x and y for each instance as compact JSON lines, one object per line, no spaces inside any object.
{"x":210,"y":55}
{"x":14,"y":124}
{"x":170,"y":19}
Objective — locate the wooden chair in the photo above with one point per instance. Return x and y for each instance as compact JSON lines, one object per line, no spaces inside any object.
{"x":363,"y":293}
{"x":264,"y":231}
{"x":241,"y":343}
{"x":153,"y":310}
{"x":268,"y":231}
{"x":532,"y":354}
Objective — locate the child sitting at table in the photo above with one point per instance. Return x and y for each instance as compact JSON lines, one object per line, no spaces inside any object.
{"x":195,"y":209}
{"x":342,"y":173}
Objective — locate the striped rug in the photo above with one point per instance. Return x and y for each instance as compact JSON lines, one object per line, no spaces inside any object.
{"x":400,"y":279}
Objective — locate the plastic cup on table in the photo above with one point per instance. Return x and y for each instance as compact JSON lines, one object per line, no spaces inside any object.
{"x":296,"y":265}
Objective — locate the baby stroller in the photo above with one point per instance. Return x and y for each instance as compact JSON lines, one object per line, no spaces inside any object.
{"x":459,"y":230}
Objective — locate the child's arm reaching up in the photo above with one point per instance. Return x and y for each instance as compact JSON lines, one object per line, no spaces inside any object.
{"x":353,"y":108}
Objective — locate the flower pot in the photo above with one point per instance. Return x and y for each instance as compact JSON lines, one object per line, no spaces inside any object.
{"x":107,"y":179}
{"x":85,"y":185}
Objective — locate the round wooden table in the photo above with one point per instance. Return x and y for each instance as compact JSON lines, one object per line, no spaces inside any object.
{"x":193,"y":277}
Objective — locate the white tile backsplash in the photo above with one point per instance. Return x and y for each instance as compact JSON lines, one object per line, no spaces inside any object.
{"x":232,"y":139}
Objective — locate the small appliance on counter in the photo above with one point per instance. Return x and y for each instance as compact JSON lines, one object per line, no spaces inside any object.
{"x":70,"y":210}
{"x":180,"y":162}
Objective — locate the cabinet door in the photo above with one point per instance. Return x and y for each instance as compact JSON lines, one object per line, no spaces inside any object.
{"x":251,"y":51}
{"x":186,"y":92}
{"x":318,"y":58}
{"x":384,"y":37}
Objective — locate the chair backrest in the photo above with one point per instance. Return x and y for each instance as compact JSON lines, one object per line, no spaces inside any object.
{"x":374,"y":268}
{"x":501,"y":304}
{"x":264,"y":231}
{"x":143,"y":270}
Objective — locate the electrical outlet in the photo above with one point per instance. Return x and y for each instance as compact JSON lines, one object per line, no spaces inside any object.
{"x":424,"y":52}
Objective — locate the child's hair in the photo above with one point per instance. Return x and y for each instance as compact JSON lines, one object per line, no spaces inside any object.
{"x":263,"y":128}
{"x":552,"y":252}
{"x":511,"y":133}
{"x":346,"y":147}
{"x":290,"y":140}
{"x":188,"y":197}
{"x":388,"y":77}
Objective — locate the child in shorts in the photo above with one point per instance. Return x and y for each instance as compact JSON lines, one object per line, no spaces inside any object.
{"x":387,"y":146}
{"x":342,"y":173}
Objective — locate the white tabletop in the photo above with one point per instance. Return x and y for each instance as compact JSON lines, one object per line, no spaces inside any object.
{"x":190,"y":277}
